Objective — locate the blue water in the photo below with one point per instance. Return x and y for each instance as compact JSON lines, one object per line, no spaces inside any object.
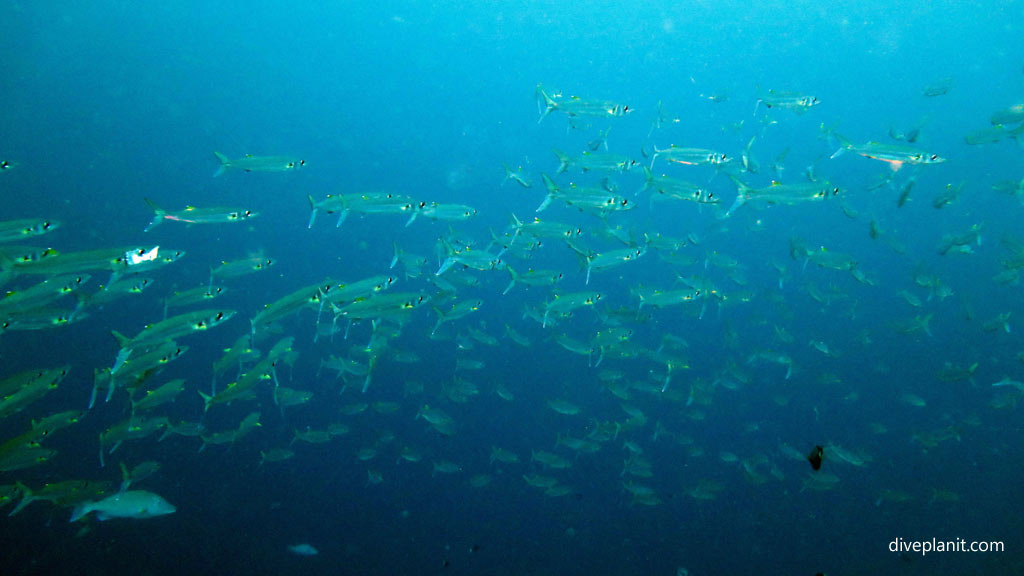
{"x":106,"y":103}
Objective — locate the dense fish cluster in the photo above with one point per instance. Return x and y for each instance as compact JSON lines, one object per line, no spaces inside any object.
{"x":645,"y":278}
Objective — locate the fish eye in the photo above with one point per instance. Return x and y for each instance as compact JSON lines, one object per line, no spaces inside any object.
{"x":219,"y":316}
{"x":935,"y":157}
{"x":302,"y":162}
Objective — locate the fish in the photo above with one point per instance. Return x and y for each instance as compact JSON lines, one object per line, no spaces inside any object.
{"x":794,"y":101}
{"x":576,"y":106}
{"x":445,"y":212}
{"x":783,"y":194}
{"x":1010,"y":115}
{"x":588,"y":161}
{"x":565,"y":303}
{"x":672,"y":189}
{"x":937,"y":88}
{"x":1007,"y":381}
{"x":689,"y":156}
{"x":135,"y":504}
{"x":192,"y":215}
{"x":169,"y":329}
{"x":896,"y":155}
{"x":815,"y":457}
{"x":303,"y":550}
{"x":250,"y":163}
{"x":516,"y":176}
{"x":17,"y":230}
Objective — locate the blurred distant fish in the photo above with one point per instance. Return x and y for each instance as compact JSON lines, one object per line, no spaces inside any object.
{"x":1010,"y":115}
{"x":250,"y":163}
{"x":303,"y":550}
{"x":938,"y":88}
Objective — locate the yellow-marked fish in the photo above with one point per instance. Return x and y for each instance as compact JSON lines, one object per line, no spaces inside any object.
{"x":192,"y":215}
{"x":238,"y":268}
{"x":383,"y":305}
{"x":456,"y":311}
{"x":159,"y":396}
{"x":192,"y":296}
{"x":784,"y":194}
{"x":445,"y":212}
{"x":516,"y":176}
{"x":33,"y":386}
{"x":576,"y":106}
{"x":169,"y":329}
{"x":17,"y":230}
{"x":565,"y":303}
{"x":250,"y":163}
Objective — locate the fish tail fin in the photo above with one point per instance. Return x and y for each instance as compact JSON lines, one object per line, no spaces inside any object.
{"x":122,"y":340}
{"x":564,"y":160}
{"x":80,"y":511}
{"x":312,"y":210}
{"x":122,"y":356}
{"x":126,"y":479}
{"x":552,"y":191}
{"x":445,"y":266}
{"x":548,"y":103}
{"x":837,"y":140}
{"x":207,"y":399}
{"x":27,"y":497}
{"x":224,"y":163}
{"x":648,"y":180}
{"x":511,"y":283}
{"x":158,"y":215}
{"x":394,"y":259}
{"x":740,"y":200}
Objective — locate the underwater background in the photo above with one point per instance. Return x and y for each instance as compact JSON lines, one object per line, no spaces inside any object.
{"x":899,"y":353}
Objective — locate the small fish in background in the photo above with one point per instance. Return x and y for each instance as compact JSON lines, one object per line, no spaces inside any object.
{"x":303,"y":550}
{"x":250,"y":163}
{"x":938,"y":88}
